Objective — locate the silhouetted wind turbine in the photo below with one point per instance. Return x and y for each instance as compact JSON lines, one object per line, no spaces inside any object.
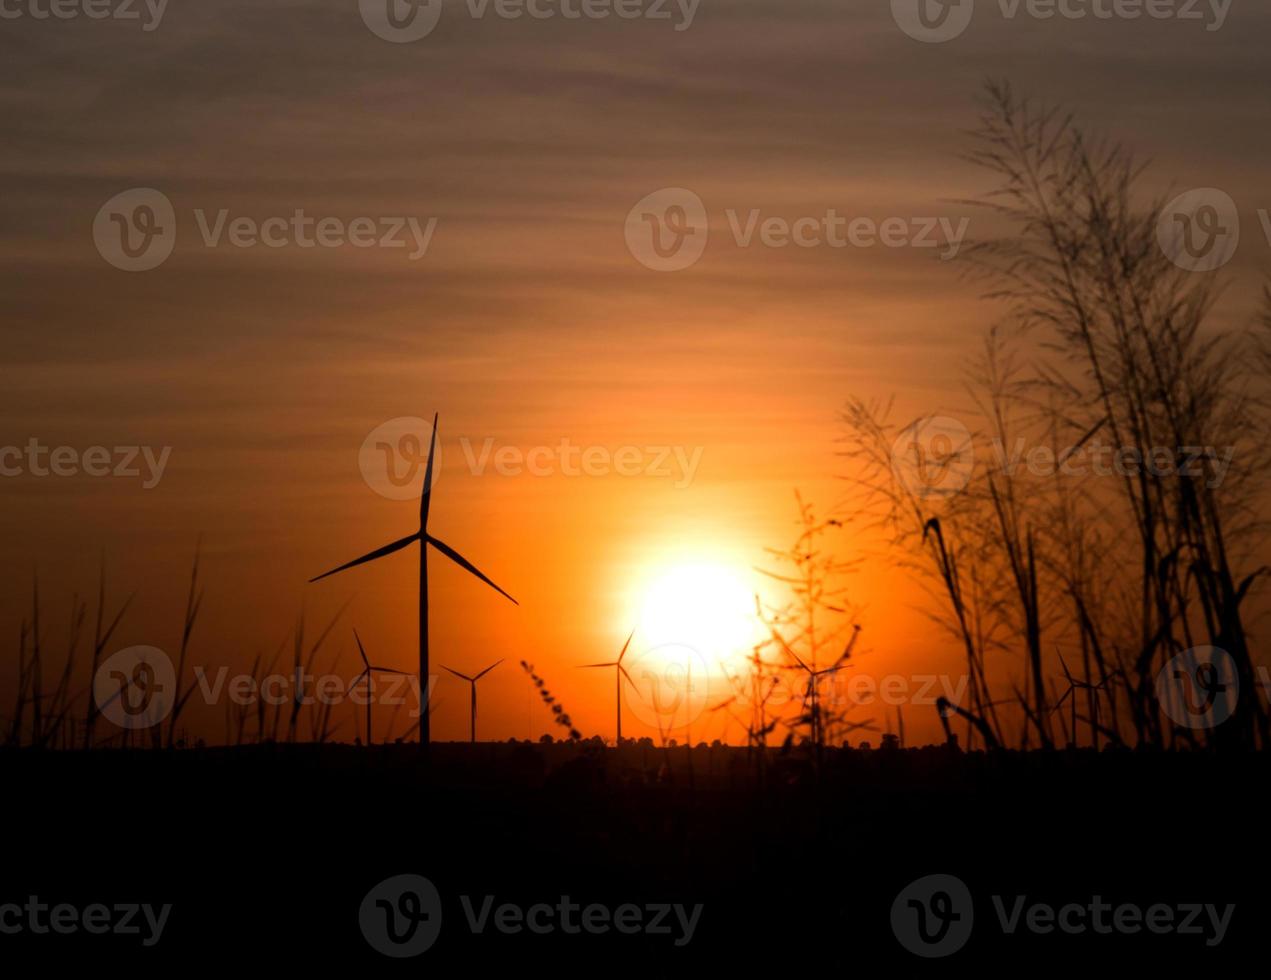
{"x":814,"y":676}
{"x":425,"y":539}
{"x":366,"y":672}
{"x":1074,"y":684}
{"x":472,"y":724}
{"x":619,"y":674}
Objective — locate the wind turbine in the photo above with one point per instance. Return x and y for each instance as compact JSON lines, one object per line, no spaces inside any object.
{"x":619,"y":674}
{"x":366,"y":672}
{"x":425,"y":539}
{"x":1074,"y":684}
{"x":814,"y":676}
{"x":472,"y":724}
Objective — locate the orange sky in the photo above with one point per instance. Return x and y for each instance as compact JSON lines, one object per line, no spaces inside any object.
{"x":528,"y":321}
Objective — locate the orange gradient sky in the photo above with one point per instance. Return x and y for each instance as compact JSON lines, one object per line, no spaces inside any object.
{"x":528,"y":321}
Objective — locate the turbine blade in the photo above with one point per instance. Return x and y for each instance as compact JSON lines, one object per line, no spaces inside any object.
{"x":786,"y":646}
{"x":623,"y":671}
{"x":463,"y":562}
{"x":457,"y":674}
{"x":488,"y":669}
{"x":611,"y":664}
{"x":361,"y":650}
{"x":388,"y":549}
{"x":425,"y":498}
{"x":390,"y":670}
{"x":358,"y":678}
{"x":625,"y":645}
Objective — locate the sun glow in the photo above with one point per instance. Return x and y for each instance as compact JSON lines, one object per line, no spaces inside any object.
{"x":708,"y":607}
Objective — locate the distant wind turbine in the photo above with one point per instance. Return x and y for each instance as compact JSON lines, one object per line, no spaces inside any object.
{"x":425,"y":539}
{"x":814,"y":677}
{"x":366,"y":672}
{"x":472,"y":724}
{"x":1073,"y":685}
{"x":619,"y":674}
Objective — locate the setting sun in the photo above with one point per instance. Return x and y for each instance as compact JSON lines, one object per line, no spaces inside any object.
{"x":707,"y":606}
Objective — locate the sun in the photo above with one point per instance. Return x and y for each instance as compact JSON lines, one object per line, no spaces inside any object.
{"x":707,"y":606}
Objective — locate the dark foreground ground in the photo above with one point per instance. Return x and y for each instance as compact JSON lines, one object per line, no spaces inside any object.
{"x":265,"y":856}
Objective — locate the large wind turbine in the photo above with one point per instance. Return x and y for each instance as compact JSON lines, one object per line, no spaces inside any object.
{"x":618,"y":675}
{"x":472,"y":724}
{"x":424,"y":539}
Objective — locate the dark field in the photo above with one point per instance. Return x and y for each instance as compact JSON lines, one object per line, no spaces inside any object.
{"x":265,"y":853}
